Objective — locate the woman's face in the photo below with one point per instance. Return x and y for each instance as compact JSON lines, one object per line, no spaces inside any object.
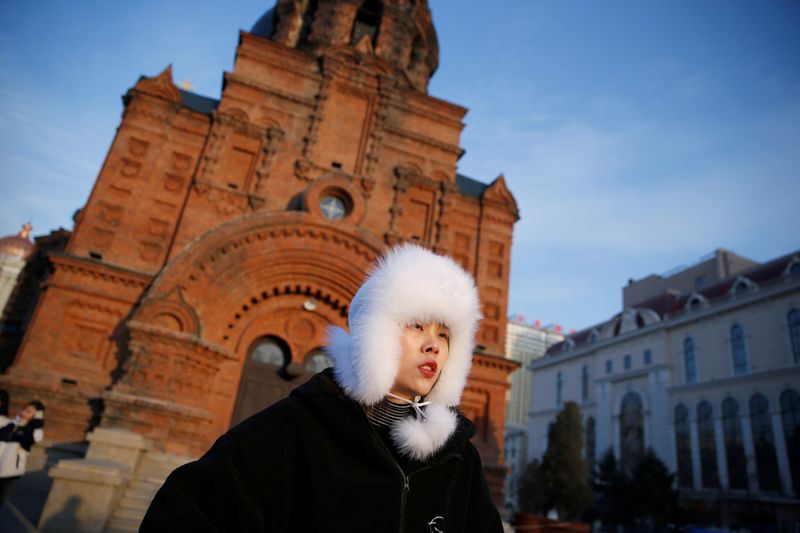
{"x":27,"y":413}
{"x":424,"y":351}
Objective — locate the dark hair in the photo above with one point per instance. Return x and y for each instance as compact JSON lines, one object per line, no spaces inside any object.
{"x":37,"y":404}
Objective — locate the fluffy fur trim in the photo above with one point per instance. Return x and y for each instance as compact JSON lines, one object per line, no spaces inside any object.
{"x":421,"y":438}
{"x":408,"y":284}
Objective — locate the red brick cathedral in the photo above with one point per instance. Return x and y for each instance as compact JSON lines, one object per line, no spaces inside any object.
{"x":222,"y":236}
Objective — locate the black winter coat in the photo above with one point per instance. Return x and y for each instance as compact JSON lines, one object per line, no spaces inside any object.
{"x":313,"y":462}
{"x":24,"y":435}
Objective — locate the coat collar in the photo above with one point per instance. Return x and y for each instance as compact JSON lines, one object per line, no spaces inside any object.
{"x":345,"y":417}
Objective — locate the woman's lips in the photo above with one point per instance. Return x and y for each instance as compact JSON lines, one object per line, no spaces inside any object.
{"x":428,"y":369}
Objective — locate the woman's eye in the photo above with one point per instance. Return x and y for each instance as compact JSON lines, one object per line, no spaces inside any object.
{"x":418,"y":326}
{"x":445,"y":336}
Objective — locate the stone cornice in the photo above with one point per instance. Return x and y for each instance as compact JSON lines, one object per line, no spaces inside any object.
{"x":253,"y":84}
{"x":775,"y":375}
{"x":100,"y":271}
{"x":179,"y":340}
{"x":175,"y":409}
{"x":422,"y":139}
{"x":716,"y":308}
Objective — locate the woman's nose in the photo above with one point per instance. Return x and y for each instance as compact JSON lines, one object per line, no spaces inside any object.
{"x":430,"y":347}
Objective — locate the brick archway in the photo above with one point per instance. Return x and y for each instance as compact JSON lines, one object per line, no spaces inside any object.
{"x":283,"y":273}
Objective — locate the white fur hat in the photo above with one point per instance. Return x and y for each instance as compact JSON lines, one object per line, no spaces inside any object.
{"x":408,"y":284}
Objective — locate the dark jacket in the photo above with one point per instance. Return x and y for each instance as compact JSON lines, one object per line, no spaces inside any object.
{"x":313,"y":462}
{"x":24,"y":435}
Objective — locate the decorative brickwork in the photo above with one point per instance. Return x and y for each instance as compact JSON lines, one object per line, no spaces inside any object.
{"x":213,"y":224}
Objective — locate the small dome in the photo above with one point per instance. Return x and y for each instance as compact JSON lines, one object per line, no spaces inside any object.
{"x":18,"y":245}
{"x":629,"y":320}
{"x":265,"y":26}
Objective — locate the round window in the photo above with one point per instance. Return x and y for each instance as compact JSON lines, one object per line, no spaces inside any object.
{"x":332,"y":207}
{"x":269,"y":352}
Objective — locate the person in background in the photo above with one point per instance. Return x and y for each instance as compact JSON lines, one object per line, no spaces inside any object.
{"x":17,"y":437}
{"x":375,"y":443}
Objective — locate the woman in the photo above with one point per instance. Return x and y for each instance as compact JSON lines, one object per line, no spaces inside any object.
{"x":373,"y":444}
{"x":17,"y":437}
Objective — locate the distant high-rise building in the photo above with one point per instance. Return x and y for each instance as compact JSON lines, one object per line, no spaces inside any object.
{"x":524,"y":343}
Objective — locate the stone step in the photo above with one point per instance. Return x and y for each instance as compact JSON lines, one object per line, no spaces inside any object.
{"x":142,"y":494}
{"x":146,"y":484}
{"x":129,"y":514}
{"x":122,"y":525}
{"x":164,"y":460}
{"x":134,"y":501}
{"x":152,"y":473}
{"x":148,"y":472}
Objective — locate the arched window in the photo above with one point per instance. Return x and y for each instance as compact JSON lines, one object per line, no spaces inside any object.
{"x":738,"y":351}
{"x":368,"y":22}
{"x":591,"y":442}
{"x":734,"y":445}
{"x":559,"y":388}
{"x":742,"y":285}
{"x":764,"y":444}
{"x":316,"y":361}
{"x":585,"y":383}
{"x":689,"y":361}
{"x":308,"y":19}
{"x":271,"y":351}
{"x":683,"y":446}
{"x":794,"y":333}
{"x":695,"y":301}
{"x":631,"y":428}
{"x":708,"y":446}
{"x":568,"y":345}
{"x":790,"y":415}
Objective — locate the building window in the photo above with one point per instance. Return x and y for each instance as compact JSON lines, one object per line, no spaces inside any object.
{"x":708,"y":446}
{"x":333,"y":207}
{"x":648,"y":357}
{"x":591,"y":442}
{"x":631,"y":429}
{"x":585,"y":383}
{"x":368,"y":22}
{"x":609,"y":366}
{"x":683,"y":445}
{"x":308,"y":19}
{"x":689,"y":361}
{"x":790,"y":415}
{"x":317,"y":361}
{"x":626,"y":362}
{"x":738,"y":351}
{"x":734,"y":445}
{"x":764,"y":444}
{"x":271,"y":351}
{"x":794,"y":333}
{"x":559,"y":388}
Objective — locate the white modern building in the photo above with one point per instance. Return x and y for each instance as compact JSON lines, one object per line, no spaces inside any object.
{"x":524,"y":343}
{"x":706,"y":371}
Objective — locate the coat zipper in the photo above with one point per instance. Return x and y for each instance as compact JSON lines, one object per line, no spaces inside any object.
{"x":406,"y":487}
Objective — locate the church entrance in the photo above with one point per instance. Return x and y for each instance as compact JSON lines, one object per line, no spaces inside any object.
{"x":269,"y":375}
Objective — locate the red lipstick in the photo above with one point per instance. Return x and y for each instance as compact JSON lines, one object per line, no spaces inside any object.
{"x":428,"y":369}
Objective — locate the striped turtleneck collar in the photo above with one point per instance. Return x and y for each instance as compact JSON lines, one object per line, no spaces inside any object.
{"x":387,"y":414}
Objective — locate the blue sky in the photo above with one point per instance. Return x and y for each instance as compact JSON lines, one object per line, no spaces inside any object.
{"x":636,"y":136}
